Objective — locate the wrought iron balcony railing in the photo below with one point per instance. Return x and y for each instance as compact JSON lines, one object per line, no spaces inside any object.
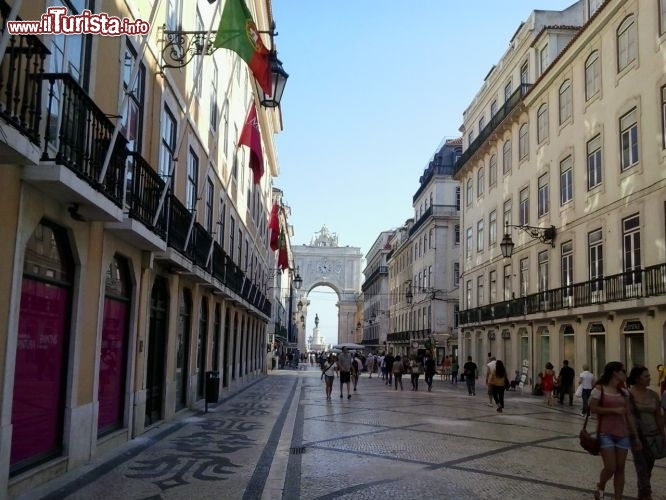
{"x":144,"y":188}
{"x":179,"y":224}
{"x":20,"y":91}
{"x":78,"y":135}
{"x":514,"y":100}
{"x":636,"y":284}
{"x":201,"y":242}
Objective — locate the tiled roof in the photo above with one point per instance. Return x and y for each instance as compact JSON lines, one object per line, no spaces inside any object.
{"x":454,"y":142}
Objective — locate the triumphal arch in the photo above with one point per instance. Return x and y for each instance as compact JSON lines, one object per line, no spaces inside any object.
{"x":324,"y":263}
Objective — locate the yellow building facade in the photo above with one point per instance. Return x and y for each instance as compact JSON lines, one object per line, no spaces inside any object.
{"x":131,"y":271}
{"x":566,"y":140}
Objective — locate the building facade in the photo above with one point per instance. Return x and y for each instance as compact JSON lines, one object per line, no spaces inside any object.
{"x":135,"y":240}
{"x":565,"y":153}
{"x":375,"y":290}
{"x":424,"y":262}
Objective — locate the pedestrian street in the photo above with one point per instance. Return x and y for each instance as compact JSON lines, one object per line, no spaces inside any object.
{"x":278,"y":437}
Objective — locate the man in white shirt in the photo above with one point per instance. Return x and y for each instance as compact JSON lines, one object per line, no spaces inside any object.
{"x":490,"y":368}
{"x":586,"y":380}
{"x":344,"y":366}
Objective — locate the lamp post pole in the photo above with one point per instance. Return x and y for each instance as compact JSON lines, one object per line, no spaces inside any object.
{"x":291,"y":312}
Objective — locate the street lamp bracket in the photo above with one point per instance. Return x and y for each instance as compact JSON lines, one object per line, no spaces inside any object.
{"x":543,"y":234}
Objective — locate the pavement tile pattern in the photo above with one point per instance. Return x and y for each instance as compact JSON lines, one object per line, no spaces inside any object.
{"x":279,"y":438}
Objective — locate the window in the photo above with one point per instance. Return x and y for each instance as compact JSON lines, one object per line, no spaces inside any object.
{"x":456,"y":274}
{"x":544,"y":271}
{"x":594,"y":165}
{"x":508,"y":289}
{"x":629,"y":139}
{"x":523,"y":142}
{"x":492,"y":165}
{"x":543,"y":59}
{"x":524,"y":277}
{"x":524,"y":74}
{"x":542,"y":123}
{"x":470,"y":138}
{"x":457,"y":233}
{"x":567,"y":266}
{"x":506,"y":217}
{"x":508,"y":89}
{"x":479,"y":291}
{"x":458,"y":198}
{"x":240,"y":247}
{"x":213,"y":98}
{"x":565,"y":102}
{"x":662,"y":17}
{"x":492,"y":227}
{"x":479,"y":236}
{"x":524,"y":207}
{"x":480,"y":181}
{"x":482,"y":123}
{"x":596,"y":259}
{"x":592,"y":75}
{"x":168,"y":144}
{"x":493,"y":108}
{"x":543,"y":195}
{"x":468,"y":294}
{"x":492,"y":283}
{"x":663,"y":114}
{"x":208,"y":219}
{"x":225,"y":117}
{"x":506,"y":157}
{"x":626,"y":43}
{"x":593,"y":5}
{"x":192,"y":181}
{"x":174,"y":12}
{"x":566,"y":181}
{"x":468,"y":243}
{"x":631,"y":249}
{"x":232,"y":231}
{"x":469,"y":192}
{"x":222,"y":222}
{"x":131,"y":122}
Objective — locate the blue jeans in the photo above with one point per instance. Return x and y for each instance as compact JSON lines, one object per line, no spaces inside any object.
{"x":471,"y":387}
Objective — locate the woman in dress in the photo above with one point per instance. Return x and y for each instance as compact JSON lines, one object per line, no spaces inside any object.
{"x":610,"y":401}
{"x":328,"y":373}
{"x":498,"y":384}
{"x":548,"y":383}
{"x":646,"y":410}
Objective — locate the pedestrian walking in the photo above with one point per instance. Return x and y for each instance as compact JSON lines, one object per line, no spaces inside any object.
{"x":388,"y":362}
{"x":490,"y":368}
{"x":616,"y":427}
{"x":357,"y":368}
{"x":647,"y":413}
{"x":446,"y":368}
{"x":548,"y":383}
{"x":344,"y":367}
{"x":498,"y":383}
{"x":398,"y":369}
{"x":586,"y":380}
{"x":328,"y":371}
{"x":370,"y":364}
{"x":416,"y":367}
{"x":566,"y":380}
{"x":430,"y":370}
{"x":454,"y":371}
{"x":470,"y":370}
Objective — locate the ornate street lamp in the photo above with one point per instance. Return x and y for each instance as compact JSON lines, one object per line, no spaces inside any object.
{"x":543,"y":234}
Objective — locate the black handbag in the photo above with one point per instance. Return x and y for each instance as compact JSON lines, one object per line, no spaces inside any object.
{"x":587,"y":442}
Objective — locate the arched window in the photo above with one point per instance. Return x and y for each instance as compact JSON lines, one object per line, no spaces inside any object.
{"x":492,"y":171}
{"x":480,"y":181}
{"x":506,"y":157}
{"x":542,"y":123}
{"x":523,"y":141}
{"x":592,"y":75}
{"x":627,"y":43}
{"x":565,"y":101}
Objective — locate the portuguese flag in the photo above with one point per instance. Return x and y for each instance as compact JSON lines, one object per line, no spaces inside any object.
{"x":238,"y":32}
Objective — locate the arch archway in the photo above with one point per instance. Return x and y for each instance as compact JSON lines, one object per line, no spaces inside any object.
{"x":324,"y":263}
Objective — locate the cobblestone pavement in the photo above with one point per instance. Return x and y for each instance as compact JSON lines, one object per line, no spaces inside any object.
{"x":278,"y":437}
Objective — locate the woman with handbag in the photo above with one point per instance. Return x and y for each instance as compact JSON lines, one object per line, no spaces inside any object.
{"x":645,"y":407}
{"x":609,"y":401}
{"x":498,"y":383}
{"x":328,"y":372}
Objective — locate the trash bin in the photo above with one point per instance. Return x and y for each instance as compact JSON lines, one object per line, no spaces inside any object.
{"x":212,"y":387}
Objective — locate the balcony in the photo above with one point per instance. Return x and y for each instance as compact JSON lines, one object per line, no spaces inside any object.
{"x":434,"y":211}
{"x":380,"y":270}
{"x":77,"y":136}
{"x":144,"y":187}
{"x":497,"y":119}
{"x":20,"y":96}
{"x":631,"y":285}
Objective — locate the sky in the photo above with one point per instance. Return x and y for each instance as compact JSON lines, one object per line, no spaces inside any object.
{"x":374,"y":87}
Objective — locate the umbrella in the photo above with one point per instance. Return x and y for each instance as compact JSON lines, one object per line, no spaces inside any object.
{"x":350,"y":346}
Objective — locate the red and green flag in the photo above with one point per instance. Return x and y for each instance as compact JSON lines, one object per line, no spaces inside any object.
{"x":274,"y":226}
{"x":238,"y":32}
